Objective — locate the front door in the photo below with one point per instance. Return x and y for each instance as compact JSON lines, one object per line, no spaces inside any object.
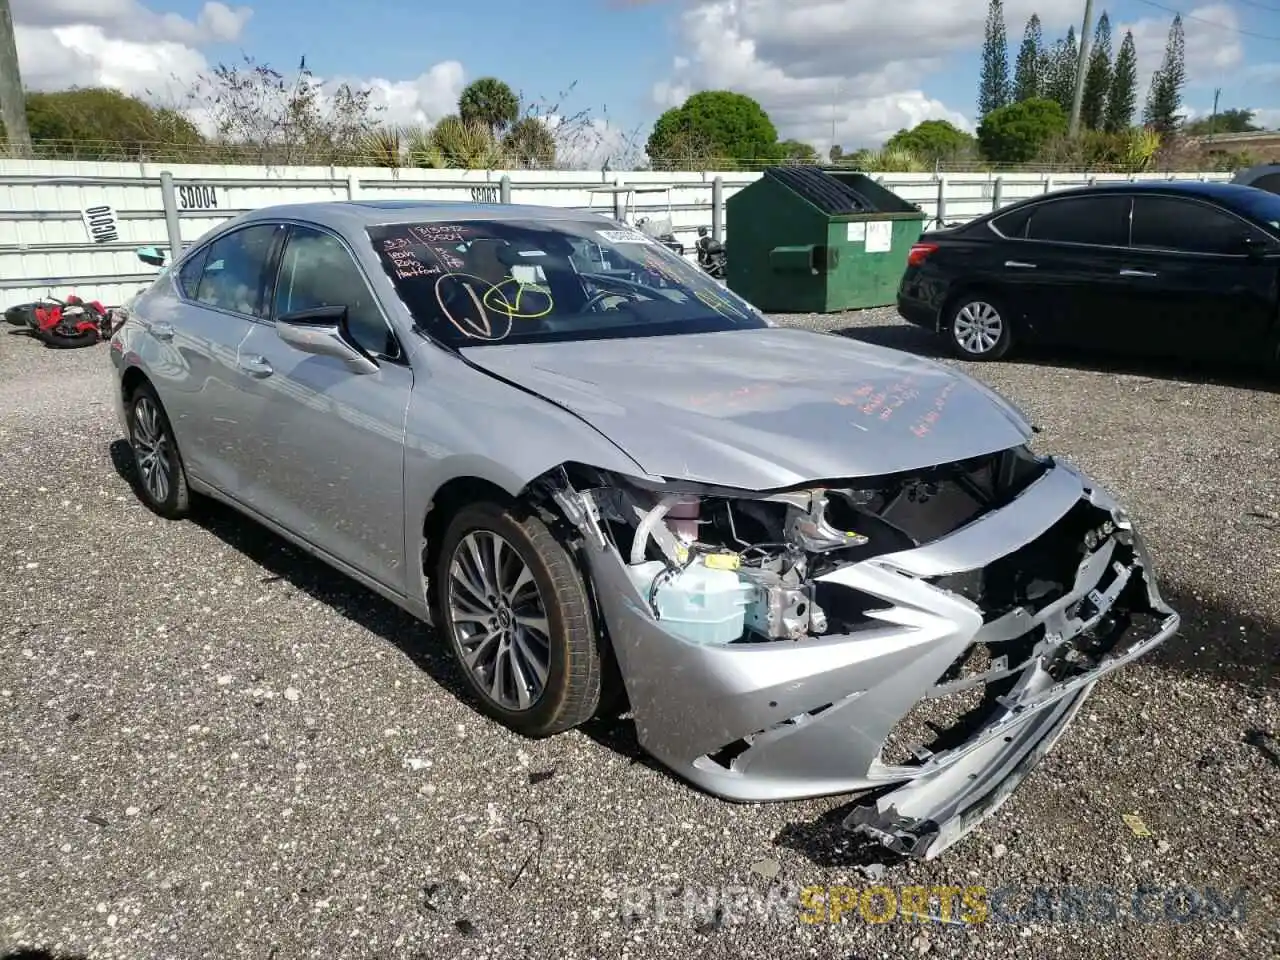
{"x":1196,"y":293}
{"x":330,"y":457}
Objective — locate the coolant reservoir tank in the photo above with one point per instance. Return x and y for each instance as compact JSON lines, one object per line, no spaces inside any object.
{"x":699,"y":604}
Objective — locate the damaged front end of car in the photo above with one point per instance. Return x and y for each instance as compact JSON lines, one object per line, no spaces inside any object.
{"x":924,"y":638}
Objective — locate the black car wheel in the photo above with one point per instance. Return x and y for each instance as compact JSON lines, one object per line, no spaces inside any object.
{"x":162,"y":478}
{"x":978,"y":327}
{"x":518,"y":619}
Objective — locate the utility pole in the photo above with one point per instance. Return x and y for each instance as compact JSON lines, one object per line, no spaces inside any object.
{"x":1213,"y":120}
{"x":1082,"y":68}
{"x":13,"y":108}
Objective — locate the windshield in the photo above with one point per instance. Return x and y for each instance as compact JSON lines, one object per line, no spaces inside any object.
{"x":1259,"y":204}
{"x":479,"y":282}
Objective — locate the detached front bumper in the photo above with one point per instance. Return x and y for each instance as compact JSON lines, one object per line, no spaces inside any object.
{"x":787,"y":720}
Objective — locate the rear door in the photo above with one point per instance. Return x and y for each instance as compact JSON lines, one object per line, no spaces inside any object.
{"x":1196,"y":292}
{"x":193,"y":338}
{"x":1067,"y":268}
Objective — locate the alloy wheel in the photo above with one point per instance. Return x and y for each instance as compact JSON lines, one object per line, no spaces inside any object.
{"x":977,"y":327}
{"x":152,"y":450}
{"x":499,"y":620}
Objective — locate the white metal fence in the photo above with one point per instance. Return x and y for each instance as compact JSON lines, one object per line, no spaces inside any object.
{"x":73,"y":226}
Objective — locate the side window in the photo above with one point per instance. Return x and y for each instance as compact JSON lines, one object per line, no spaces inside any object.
{"x":189,"y":275}
{"x":1167,"y":223}
{"x":1014,"y":223}
{"x":317,"y":271}
{"x":1102,"y":221}
{"x":234,"y":270}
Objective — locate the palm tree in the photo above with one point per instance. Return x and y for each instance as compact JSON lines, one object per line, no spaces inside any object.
{"x":491,"y":102}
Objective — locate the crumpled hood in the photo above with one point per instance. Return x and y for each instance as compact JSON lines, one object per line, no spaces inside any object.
{"x":763,"y":409}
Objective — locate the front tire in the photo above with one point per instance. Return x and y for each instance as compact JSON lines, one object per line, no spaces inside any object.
{"x":978,"y":327}
{"x":161,"y":481}
{"x":518,"y":619}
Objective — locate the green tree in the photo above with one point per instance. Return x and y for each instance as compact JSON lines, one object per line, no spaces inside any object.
{"x":1018,"y":132}
{"x":993,"y":88}
{"x":1225,"y":121}
{"x":530,"y":143}
{"x":932,"y":141}
{"x":1027,"y":75}
{"x":1097,"y":78}
{"x":1164,"y":99}
{"x":1060,"y":83}
{"x":97,"y":122}
{"x":797,"y":150}
{"x":1122,"y":96}
{"x":491,"y":102}
{"x":729,"y":125}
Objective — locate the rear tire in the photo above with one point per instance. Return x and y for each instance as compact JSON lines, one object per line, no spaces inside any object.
{"x":161,"y":480}
{"x":518,"y":619}
{"x":978,"y":326}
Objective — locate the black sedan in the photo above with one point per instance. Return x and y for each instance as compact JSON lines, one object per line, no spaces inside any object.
{"x":1188,"y":269}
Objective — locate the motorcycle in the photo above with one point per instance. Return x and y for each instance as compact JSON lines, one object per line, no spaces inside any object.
{"x":712,"y":257}
{"x":65,"y":324}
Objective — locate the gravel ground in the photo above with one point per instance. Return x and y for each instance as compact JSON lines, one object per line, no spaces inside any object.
{"x":213,"y":746}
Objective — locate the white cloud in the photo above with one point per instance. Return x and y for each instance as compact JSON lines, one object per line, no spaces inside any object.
{"x":147,"y":52}
{"x":423,"y":100}
{"x":859,"y":62}
{"x":1212,"y":46}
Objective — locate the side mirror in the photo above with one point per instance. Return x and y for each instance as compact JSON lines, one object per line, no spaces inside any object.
{"x":152,"y":256}
{"x":322,"y":331}
{"x":1254,"y":246}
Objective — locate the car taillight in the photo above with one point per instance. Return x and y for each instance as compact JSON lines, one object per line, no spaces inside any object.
{"x":919,"y":251}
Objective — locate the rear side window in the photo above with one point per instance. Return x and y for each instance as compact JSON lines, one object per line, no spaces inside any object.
{"x":1101,"y":221}
{"x":235,"y":270}
{"x":1167,"y":223}
{"x":1014,"y":223}
{"x":190,"y":273}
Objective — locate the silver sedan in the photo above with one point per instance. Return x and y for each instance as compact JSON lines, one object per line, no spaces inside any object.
{"x":805,"y":565}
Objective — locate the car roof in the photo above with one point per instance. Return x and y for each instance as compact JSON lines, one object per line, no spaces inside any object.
{"x":357,"y":214}
{"x":1209,"y":189}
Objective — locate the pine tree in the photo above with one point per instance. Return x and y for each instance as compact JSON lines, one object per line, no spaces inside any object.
{"x":1027,"y":71}
{"x":993,"y":90}
{"x":1097,"y":78}
{"x":1061,"y":82}
{"x":1122,"y":95}
{"x":1164,"y":99}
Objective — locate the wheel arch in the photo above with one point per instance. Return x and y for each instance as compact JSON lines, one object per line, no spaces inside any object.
{"x":131,"y":379}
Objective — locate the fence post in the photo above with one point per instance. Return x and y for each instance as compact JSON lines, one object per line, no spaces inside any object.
{"x":1048,"y":184}
{"x":353,"y":187}
{"x":504,"y":189}
{"x":997,"y":193}
{"x":717,"y":209}
{"x":1093,"y":181}
{"x":941,"y":212}
{"x":172,"y":226}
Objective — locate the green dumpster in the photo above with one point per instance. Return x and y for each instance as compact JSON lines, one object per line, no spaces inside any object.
{"x":810,"y":240}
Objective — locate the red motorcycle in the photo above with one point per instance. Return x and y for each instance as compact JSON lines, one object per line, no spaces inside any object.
{"x":66,"y":323}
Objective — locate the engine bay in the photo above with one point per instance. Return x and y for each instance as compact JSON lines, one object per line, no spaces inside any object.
{"x":722,"y":567}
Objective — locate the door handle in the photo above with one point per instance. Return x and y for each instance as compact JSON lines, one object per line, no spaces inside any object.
{"x":161,"y":330}
{"x":1138,"y":273}
{"x":257,"y":367}
{"x":1020,"y":264}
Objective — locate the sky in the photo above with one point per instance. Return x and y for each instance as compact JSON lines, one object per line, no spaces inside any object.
{"x":846,"y":71}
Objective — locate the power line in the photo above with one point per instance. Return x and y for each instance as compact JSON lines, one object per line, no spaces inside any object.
{"x":1211,"y":23}
{"x":1260,"y":6}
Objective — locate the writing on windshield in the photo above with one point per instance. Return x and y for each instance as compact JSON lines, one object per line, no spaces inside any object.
{"x":497,"y":281}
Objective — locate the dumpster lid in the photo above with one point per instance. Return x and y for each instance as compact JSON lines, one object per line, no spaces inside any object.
{"x":842,"y":193}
